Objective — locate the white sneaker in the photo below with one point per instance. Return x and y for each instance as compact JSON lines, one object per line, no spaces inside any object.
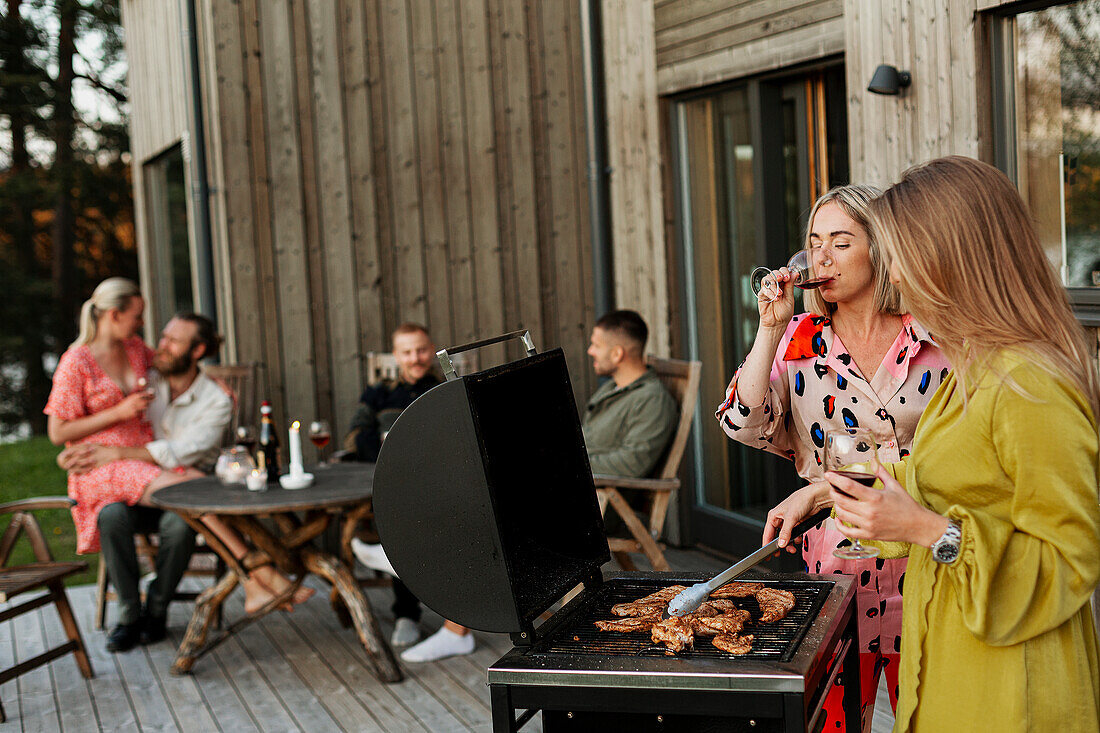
{"x":405,"y":633}
{"x":440,"y":645}
{"x":373,"y":556}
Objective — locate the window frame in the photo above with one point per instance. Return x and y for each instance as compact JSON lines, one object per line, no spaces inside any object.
{"x":1001,"y":30}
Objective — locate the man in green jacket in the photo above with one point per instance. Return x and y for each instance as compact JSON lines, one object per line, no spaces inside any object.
{"x":629,"y":420}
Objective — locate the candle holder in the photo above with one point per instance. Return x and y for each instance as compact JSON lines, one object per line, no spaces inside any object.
{"x":256,"y":480}
{"x":233,"y":466}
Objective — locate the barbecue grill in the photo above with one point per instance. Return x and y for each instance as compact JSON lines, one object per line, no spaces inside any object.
{"x":484,"y":499}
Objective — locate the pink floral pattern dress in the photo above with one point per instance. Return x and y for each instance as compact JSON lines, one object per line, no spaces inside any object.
{"x":81,"y":388}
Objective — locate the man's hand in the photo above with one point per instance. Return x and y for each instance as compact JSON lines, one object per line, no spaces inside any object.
{"x":80,"y":459}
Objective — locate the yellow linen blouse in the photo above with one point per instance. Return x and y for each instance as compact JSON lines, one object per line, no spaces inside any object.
{"x":1002,"y":639}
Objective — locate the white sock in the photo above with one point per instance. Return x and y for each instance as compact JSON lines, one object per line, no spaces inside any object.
{"x":405,"y":633}
{"x":440,"y":645}
{"x":373,"y":556}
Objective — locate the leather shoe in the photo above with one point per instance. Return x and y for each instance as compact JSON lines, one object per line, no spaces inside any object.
{"x":153,"y":629}
{"x":124,"y":637}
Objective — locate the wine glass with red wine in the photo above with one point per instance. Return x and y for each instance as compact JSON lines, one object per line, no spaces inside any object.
{"x":320,"y":435}
{"x":766,"y":286}
{"x":853,"y":454}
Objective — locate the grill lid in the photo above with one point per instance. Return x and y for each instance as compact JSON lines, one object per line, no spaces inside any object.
{"x":483,"y":496}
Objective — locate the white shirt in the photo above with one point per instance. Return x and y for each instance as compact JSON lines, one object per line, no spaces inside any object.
{"x":189,"y":429}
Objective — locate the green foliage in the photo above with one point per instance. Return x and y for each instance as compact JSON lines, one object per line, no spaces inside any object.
{"x":28,"y":469}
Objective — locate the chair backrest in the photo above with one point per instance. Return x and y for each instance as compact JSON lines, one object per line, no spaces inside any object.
{"x":241,"y":380}
{"x":681,"y":379}
{"x":382,"y":365}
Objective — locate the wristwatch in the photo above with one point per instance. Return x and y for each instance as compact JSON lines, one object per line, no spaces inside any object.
{"x":946,"y":548}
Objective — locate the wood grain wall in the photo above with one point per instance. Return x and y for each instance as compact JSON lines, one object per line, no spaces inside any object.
{"x":159,"y":113}
{"x":943,"y":112}
{"x":378,"y":161}
{"x":700,"y":42}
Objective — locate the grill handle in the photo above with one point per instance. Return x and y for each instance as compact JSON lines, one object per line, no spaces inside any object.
{"x":444,"y":355}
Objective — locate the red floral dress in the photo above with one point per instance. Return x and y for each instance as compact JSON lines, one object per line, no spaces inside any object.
{"x":81,"y":388}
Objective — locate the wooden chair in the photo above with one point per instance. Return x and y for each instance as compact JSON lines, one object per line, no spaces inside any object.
{"x":681,"y":379}
{"x":241,"y":380}
{"x":43,"y":574}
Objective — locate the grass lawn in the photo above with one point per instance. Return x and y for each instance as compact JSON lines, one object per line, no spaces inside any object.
{"x":27,"y":469}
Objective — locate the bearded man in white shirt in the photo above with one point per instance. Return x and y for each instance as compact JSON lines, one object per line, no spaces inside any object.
{"x":189,"y":414}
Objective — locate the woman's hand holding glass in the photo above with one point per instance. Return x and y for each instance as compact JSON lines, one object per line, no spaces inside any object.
{"x":888,"y":514}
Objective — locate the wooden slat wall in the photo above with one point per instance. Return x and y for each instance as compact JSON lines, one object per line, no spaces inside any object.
{"x":634,"y":137}
{"x":374,"y":162}
{"x":158,"y":109}
{"x":701,"y":42}
{"x":942,"y":112}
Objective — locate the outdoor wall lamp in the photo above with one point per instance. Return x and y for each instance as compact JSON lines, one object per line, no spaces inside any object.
{"x":888,"y":80}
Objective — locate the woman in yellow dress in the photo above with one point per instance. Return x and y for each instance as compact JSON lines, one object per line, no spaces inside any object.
{"x":999,"y":497}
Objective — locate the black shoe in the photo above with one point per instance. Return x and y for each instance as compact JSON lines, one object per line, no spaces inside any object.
{"x":124,"y":637}
{"x":153,"y":629}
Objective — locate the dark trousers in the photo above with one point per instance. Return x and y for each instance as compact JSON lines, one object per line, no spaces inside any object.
{"x":117,"y":525}
{"x":405,"y":604}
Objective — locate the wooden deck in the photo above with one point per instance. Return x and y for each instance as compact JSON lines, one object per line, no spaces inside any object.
{"x":295,"y":671}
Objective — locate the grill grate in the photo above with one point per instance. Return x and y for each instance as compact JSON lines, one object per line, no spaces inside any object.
{"x":775,"y":642}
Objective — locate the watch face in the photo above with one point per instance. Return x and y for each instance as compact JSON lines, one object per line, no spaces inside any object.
{"x":947,"y":553}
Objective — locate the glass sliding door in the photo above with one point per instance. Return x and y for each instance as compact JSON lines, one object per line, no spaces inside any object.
{"x":748,"y":159}
{"x":170,"y":243}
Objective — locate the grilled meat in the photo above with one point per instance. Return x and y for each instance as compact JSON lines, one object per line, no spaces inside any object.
{"x":733,"y":644}
{"x":728,"y":623}
{"x":737,"y":589}
{"x":675,"y":633}
{"x":662,"y":596}
{"x":625,"y":625}
{"x":639,"y":610}
{"x":719,"y":606}
{"x":774,"y":604}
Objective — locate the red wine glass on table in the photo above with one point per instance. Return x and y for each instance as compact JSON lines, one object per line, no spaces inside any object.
{"x":765,"y":283}
{"x":320,"y":435}
{"x":853,"y":454}
{"x":246,"y":438}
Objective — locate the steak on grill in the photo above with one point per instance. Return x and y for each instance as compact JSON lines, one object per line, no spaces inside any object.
{"x":626,"y":625}
{"x":733,"y":644}
{"x":774,"y":603}
{"x":737,"y":589}
{"x":639,"y":610}
{"x":675,"y":633}
{"x":728,"y":623}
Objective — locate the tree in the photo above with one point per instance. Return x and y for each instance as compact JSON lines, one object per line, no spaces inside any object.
{"x":66,"y":212}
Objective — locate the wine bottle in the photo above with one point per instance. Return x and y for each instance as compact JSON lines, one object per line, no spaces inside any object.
{"x":267,"y":454}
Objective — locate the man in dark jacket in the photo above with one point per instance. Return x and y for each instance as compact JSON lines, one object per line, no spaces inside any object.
{"x":379,"y":407}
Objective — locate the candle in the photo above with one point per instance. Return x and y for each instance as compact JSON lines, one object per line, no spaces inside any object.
{"x":295,"y":450}
{"x":257,"y":480}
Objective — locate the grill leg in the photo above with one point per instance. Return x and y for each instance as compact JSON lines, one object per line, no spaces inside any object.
{"x":504,"y":720}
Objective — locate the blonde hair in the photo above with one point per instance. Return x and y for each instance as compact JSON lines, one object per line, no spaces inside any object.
{"x":973,"y":272}
{"x":114,"y":293}
{"x":855,"y":201}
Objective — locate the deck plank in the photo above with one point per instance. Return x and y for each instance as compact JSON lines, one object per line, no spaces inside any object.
{"x":415,"y":696}
{"x":72,"y":695}
{"x":9,"y":691}
{"x":38,"y":708}
{"x":109,"y":695}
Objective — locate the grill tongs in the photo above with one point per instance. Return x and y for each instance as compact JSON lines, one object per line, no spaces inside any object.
{"x":688,"y":600}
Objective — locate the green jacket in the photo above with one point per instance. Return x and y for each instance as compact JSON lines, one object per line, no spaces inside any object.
{"x":627,"y":430}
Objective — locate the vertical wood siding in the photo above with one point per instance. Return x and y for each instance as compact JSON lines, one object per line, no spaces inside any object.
{"x":374,"y":162}
{"x":701,"y":42}
{"x":639,"y":259}
{"x":942,"y":112}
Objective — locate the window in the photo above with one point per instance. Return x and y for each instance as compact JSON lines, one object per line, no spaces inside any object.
{"x":750,"y":160}
{"x":1047,"y":132}
{"x":169,"y":241}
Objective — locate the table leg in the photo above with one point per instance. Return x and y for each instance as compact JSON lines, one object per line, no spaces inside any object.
{"x":379,"y":653}
{"x":206,"y":611}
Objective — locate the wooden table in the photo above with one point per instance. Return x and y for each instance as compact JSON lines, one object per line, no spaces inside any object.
{"x":341,"y":492}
